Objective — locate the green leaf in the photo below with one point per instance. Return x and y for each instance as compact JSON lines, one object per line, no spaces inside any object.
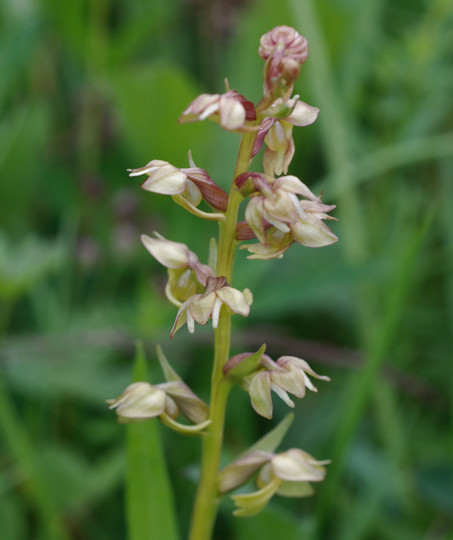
{"x":150,"y":510}
{"x":271,"y":440}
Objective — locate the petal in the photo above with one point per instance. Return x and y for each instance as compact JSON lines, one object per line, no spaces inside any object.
{"x":192,"y":193}
{"x":302,"y":365}
{"x":291,"y":380}
{"x":277,"y":137}
{"x":216,"y":312}
{"x":211,"y":192}
{"x":238,"y":472}
{"x":297,"y":466}
{"x":181,"y":317}
{"x":292,"y":184}
{"x":254,"y":217}
{"x":281,"y":206}
{"x":201,"y":306}
{"x":283,"y":395}
{"x":251,"y":504}
{"x":295,"y":489}
{"x":139,"y":401}
{"x":188,"y":402}
{"x":232,"y":113}
{"x":303,"y":114}
{"x":169,"y":254}
{"x":264,"y":128}
{"x":235,"y":300}
{"x":277,"y":244}
{"x":166,"y":180}
{"x":312,"y":232}
{"x":200,"y":108}
{"x":149,"y":168}
{"x":260,"y":394}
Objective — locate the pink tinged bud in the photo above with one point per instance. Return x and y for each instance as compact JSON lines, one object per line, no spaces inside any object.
{"x":286,"y":39}
{"x":284,"y":51}
{"x":162,"y":178}
{"x":139,"y":401}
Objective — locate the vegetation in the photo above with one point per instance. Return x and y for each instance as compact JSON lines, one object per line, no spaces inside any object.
{"x":88,"y":90}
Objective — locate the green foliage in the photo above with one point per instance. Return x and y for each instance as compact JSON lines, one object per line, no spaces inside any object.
{"x":89,"y":89}
{"x":150,"y":509}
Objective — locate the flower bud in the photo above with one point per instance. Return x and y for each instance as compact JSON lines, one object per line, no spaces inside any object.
{"x":284,"y":50}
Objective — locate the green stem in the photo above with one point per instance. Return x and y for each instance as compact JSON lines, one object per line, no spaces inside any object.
{"x":207,"y":499}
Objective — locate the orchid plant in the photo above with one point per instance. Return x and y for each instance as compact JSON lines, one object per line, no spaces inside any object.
{"x":280,"y":211}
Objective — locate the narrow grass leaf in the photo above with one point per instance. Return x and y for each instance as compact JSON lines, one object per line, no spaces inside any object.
{"x":150,"y":510}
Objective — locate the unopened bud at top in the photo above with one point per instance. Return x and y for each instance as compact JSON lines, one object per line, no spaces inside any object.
{"x":284,"y":39}
{"x":284,"y":50}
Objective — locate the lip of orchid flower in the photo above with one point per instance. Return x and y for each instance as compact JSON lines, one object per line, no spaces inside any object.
{"x":231,"y":110}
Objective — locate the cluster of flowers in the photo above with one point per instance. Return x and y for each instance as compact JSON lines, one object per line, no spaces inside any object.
{"x":281,"y":210}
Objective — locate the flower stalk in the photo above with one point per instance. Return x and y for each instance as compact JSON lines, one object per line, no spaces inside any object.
{"x":280,"y":211}
{"x":207,"y":499}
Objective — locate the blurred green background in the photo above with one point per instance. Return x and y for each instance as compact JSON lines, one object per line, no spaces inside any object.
{"x":91,"y":88}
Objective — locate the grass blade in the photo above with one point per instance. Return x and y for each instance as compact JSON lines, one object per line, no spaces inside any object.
{"x":150,"y":510}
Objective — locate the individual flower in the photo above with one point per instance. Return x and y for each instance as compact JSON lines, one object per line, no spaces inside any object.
{"x":231,"y":110}
{"x":284,"y":50}
{"x":278,"y":218}
{"x":288,"y":374}
{"x":287,"y":474}
{"x":276,"y":131}
{"x":141,"y":401}
{"x":202,"y":307}
{"x":186,"y":274}
{"x":188,"y":186}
